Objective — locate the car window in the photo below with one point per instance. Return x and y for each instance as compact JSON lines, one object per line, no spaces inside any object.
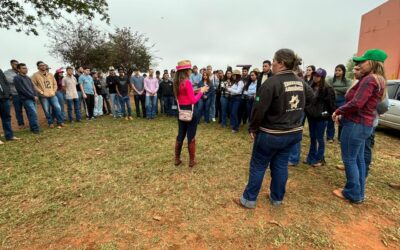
{"x":392,"y":88}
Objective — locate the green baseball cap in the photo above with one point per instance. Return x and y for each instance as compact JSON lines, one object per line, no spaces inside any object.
{"x":373,"y":55}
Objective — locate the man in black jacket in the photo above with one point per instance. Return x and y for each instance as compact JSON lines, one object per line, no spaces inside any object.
{"x":167,"y":93}
{"x":5,"y":94}
{"x":266,"y":73}
{"x":275,"y":126}
{"x":28,"y":95}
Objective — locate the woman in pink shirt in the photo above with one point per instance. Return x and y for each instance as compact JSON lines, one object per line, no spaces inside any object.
{"x":187,"y":98}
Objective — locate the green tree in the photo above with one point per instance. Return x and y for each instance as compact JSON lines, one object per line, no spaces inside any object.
{"x":83,"y":44}
{"x":27,"y":15}
{"x":130,"y":49}
{"x":349,"y":68}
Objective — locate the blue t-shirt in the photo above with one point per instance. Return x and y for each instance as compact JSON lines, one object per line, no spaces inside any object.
{"x":87,"y":82}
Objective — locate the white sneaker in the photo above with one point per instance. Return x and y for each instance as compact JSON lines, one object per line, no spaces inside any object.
{"x":213,"y":119}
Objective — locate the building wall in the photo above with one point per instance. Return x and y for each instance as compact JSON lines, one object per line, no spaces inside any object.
{"x":380,"y":29}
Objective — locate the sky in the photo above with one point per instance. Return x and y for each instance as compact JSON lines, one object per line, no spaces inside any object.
{"x":221,"y":33}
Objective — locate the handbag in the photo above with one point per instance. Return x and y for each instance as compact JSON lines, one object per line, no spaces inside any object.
{"x":185,"y":115}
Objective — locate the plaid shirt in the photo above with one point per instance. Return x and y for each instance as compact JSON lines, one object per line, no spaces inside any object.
{"x":361,"y":101}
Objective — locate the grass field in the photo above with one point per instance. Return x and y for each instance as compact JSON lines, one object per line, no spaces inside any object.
{"x":111,"y":184}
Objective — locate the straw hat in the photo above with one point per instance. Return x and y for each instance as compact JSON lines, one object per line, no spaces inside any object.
{"x":184,"y":64}
{"x":236,"y":72}
{"x":256,"y":70}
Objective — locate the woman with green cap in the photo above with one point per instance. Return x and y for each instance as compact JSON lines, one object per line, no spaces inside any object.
{"x":357,"y":117}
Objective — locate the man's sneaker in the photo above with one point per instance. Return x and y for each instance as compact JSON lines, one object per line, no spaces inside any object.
{"x":21,"y":126}
{"x":51,"y":125}
{"x":1,"y":143}
{"x":15,"y":138}
{"x":126,"y":118}
{"x":130,"y":118}
{"x":213,"y":119}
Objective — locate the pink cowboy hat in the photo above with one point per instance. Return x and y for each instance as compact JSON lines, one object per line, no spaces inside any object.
{"x":184,"y":64}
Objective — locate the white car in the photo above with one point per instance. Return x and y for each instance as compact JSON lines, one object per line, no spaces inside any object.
{"x":391,"y":118}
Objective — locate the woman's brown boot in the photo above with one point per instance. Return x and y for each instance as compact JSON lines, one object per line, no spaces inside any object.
{"x":178,"y":149}
{"x":192,"y":153}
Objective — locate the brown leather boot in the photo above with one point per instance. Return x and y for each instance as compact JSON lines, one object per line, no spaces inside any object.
{"x":178,"y":149}
{"x":192,"y":152}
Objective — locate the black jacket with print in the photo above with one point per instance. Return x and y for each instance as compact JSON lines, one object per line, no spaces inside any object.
{"x":280,"y":104}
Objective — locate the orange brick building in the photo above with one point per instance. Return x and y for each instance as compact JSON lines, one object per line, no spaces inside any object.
{"x":380,"y":28}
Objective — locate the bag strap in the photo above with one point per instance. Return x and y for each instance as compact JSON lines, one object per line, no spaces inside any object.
{"x":179,"y":109}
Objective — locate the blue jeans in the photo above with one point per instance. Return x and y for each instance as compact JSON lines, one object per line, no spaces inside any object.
{"x":151,"y":105}
{"x":211,"y":111}
{"x":368,"y":152}
{"x":31,"y":111}
{"x":352,"y":146}
{"x":317,"y":142}
{"x":125,"y":100}
{"x":295,"y":152}
{"x":234,"y":106}
{"x":115,"y":105}
{"x":168,"y":101}
{"x":205,"y":108}
{"x":249,"y":107}
{"x":61,"y":100}
{"x":77,"y":108}
{"x":82,"y":103}
{"x":224,"y":109}
{"x":330,"y":131}
{"x":274,"y":151}
{"x":18,"y":104}
{"x":6,"y":118}
{"x":53,"y":101}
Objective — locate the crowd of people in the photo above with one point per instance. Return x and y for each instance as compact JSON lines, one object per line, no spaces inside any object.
{"x":275,"y":102}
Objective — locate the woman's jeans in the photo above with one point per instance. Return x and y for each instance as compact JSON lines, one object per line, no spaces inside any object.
{"x":352,"y":145}
{"x":77,"y":107}
{"x":31,"y":111}
{"x":234,"y":106}
{"x":330,"y":131}
{"x":187,"y":128}
{"x":151,"y":105}
{"x":224,"y":109}
{"x":272,"y":150}
{"x":317,"y":142}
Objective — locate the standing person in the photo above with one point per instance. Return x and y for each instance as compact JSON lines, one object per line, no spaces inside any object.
{"x":46,"y":87}
{"x":98,"y":100}
{"x":151,"y":86}
{"x":159,"y":96}
{"x":275,"y":126}
{"x":309,"y":74}
{"x":5,"y":115}
{"x":340,"y":84}
{"x":214,"y":80}
{"x":357,"y":117}
{"x":249,"y":93}
{"x":235,"y":91}
{"x":218,"y":108}
{"x":186,"y":97}
{"x":60,"y":91}
{"x":69,"y":84}
{"x":112,"y":82}
{"x":78,"y":73}
{"x":167,"y":93}
{"x":172,"y":74}
{"x":123,"y":93}
{"x":318,"y":113}
{"x":205,"y":102}
{"x":88,"y":91}
{"x":266,"y":73}
{"x":195,"y":77}
{"x":137,"y":83}
{"x":27,"y":93}
{"x":17,"y":102}
{"x":104,"y":94}
{"x":225,"y":97}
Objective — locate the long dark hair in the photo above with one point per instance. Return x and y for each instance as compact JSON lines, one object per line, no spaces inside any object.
{"x":206,"y":78}
{"x":180,"y":75}
{"x":246,"y":87}
{"x":343,"y":68}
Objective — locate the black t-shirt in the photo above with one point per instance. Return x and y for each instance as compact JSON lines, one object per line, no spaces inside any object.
{"x":78,"y":86}
{"x":112,"y":82}
{"x":97,"y":84}
{"x":123,"y":86}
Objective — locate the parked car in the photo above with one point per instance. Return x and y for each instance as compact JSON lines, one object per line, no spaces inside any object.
{"x":391,"y":118}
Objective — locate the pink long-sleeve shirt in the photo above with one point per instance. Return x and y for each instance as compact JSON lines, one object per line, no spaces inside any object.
{"x":151,"y":85}
{"x":186,"y":94}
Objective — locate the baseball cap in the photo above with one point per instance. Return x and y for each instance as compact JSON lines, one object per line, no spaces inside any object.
{"x":373,"y":55}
